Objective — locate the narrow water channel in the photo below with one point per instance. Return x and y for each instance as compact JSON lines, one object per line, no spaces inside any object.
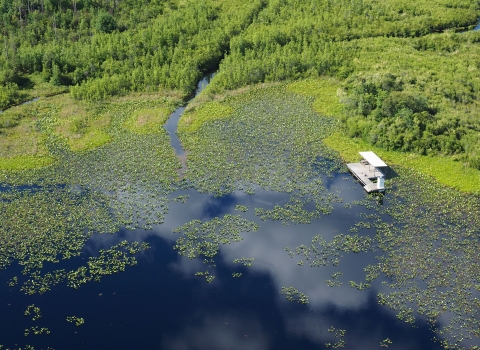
{"x":172,"y":123}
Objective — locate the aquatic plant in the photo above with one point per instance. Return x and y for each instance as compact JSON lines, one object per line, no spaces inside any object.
{"x":385,"y":343}
{"x":334,"y":282}
{"x":203,"y":239}
{"x":339,"y":333}
{"x":36,"y":330}
{"x":78,"y":320}
{"x":36,"y":311}
{"x":242,"y":208}
{"x":109,"y":261}
{"x":293,"y":294}
{"x":429,"y":245}
{"x":244,"y":261}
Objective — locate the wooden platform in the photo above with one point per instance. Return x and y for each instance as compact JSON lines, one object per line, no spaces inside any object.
{"x":365,"y":174}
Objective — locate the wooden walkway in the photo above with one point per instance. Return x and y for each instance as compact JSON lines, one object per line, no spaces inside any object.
{"x":365,"y":174}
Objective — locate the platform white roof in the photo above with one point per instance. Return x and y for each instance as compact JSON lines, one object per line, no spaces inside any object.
{"x":373,"y":159}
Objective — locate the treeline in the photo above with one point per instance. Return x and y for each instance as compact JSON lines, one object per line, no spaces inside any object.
{"x":417,"y":95}
{"x":102,"y":48}
{"x":108,"y":53}
{"x":293,"y":39}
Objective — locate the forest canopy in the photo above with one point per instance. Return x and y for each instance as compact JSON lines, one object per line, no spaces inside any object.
{"x":409,"y":71}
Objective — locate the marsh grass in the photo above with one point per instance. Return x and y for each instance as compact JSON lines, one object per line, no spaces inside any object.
{"x":324,"y":90}
{"x":30,"y":135}
{"x":194,"y":118}
{"x":147,"y":121}
{"x":25,"y":162}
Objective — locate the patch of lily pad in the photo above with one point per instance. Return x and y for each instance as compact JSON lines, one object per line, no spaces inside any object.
{"x":272,"y":139}
{"x":78,"y":320}
{"x":202,"y":240}
{"x":109,"y":262}
{"x":293,"y":294}
{"x":426,"y":238}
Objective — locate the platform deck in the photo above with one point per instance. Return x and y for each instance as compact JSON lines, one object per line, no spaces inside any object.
{"x":364,"y":173}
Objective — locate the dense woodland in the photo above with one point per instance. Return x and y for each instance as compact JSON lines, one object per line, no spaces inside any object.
{"x":409,"y":72}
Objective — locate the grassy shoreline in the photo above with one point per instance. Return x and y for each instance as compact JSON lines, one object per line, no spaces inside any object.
{"x":325,"y":92}
{"x":443,"y":169}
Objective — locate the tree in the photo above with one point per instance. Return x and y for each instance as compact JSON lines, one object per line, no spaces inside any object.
{"x":106,"y":23}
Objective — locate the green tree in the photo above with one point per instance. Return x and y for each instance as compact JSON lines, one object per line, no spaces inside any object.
{"x":106,"y":23}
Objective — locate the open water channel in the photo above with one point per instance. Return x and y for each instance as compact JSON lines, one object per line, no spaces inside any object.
{"x":160,"y":303}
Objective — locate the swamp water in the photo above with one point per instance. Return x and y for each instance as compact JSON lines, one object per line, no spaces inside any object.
{"x":249,"y":284}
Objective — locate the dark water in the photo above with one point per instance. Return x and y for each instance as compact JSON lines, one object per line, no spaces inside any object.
{"x":160,"y":304}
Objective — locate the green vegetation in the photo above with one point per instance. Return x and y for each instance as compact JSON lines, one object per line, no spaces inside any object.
{"x":36,"y":311}
{"x":324,"y":90}
{"x":146,"y":121}
{"x":385,"y":343}
{"x":25,"y":162}
{"x":409,"y":81}
{"x":272,"y":139}
{"x":105,"y":49}
{"x":426,"y":103}
{"x":293,"y":294}
{"x":339,"y":333}
{"x":202,"y":240}
{"x":78,"y":320}
{"x":392,"y":76}
{"x":34,"y":135}
{"x":194,"y":118}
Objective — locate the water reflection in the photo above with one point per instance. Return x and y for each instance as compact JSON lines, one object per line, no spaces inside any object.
{"x":255,"y":306}
{"x":232,"y":330}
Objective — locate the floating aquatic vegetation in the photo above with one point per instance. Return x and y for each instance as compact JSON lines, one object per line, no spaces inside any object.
{"x":385,"y":343}
{"x":245,"y":261}
{"x":242,"y":208}
{"x":44,"y":225}
{"x":323,"y":253}
{"x":181,"y":199}
{"x":36,"y":330}
{"x":359,"y":286}
{"x":135,"y":172}
{"x":202,"y":239}
{"x":271,"y":139}
{"x":430,"y":245}
{"x":36,"y":311}
{"x":295,"y":212}
{"x":109,"y":261}
{"x":293,"y":294}
{"x":209,"y":278}
{"x":339,"y":333}
{"x":334,"y":282}
{"x":237,"y":274}
{"x":125,"y":182}
{"x":78,"y":320}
